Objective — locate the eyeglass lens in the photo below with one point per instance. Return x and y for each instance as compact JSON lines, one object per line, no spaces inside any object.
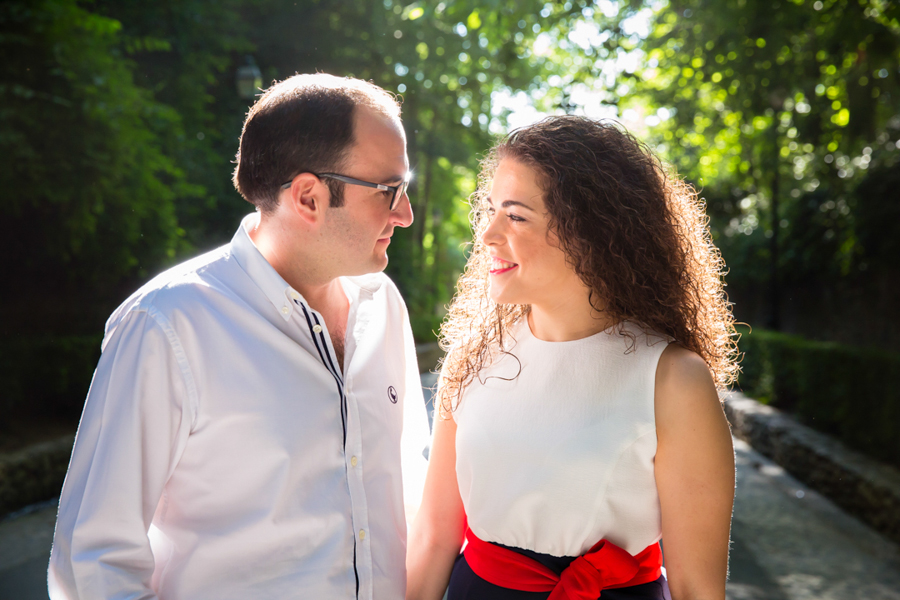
{"x":401,"y":189}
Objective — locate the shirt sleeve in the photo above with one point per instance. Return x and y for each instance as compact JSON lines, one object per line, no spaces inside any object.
{"x":136,"y":421}
{"x":415,"y":435}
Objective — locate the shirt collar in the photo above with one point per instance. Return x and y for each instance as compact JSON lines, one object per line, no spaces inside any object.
{"x":276,"y":289}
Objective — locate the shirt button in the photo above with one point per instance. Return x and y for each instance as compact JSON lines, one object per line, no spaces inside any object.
{"x":285,"y":309}
{"x":317,"y":328}
{"x":362,"y":534}
{"x":295,"y":295}
{"x":353,"y":461}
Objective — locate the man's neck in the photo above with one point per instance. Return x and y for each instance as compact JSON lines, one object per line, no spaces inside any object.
{"x":325,"y":297}
{"x":295,"y":262}
{"x":300,"y":268}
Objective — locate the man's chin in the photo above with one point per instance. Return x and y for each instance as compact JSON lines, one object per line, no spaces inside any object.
{"x":380,"y":262}
{"x":377,"y":265}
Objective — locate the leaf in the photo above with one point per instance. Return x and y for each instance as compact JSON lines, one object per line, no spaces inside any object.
{"x":474,"y":20}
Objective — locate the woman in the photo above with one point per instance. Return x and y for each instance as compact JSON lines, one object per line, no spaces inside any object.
{"x":579,"y":414}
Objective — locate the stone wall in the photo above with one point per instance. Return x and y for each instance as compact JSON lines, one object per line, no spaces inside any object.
{"x":33,"y":474}
{"x":863,"y":487}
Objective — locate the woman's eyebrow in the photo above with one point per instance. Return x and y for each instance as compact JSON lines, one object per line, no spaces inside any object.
{"x":508,"y":203}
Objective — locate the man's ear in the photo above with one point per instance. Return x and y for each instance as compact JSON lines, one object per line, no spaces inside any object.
{"x":308,"y":197}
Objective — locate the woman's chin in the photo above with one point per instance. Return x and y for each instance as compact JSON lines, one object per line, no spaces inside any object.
{"x":501,"y":296}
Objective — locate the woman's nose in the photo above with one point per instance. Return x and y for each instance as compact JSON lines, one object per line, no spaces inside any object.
{"x":492,"y":234}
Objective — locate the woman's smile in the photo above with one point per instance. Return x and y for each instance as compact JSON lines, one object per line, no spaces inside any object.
{"x":498,"y":266}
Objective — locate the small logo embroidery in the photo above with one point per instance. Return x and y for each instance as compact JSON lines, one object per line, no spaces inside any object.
{"x":392,"y":394}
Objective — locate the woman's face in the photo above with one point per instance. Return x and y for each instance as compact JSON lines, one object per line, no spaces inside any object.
{"x":527,"y":265}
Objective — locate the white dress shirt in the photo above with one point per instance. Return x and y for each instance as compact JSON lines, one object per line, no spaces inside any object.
{"x":221,"y":453}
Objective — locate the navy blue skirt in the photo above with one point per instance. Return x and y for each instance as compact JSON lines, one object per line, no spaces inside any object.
{"x":466,"y":585}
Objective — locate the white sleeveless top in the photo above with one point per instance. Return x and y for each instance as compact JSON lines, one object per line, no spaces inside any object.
{"x":561,"y":456}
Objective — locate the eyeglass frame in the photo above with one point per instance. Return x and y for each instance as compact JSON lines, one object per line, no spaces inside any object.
{"x":398,"y":190}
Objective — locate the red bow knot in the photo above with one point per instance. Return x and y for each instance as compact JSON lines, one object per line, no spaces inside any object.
{"x":604,"y":566}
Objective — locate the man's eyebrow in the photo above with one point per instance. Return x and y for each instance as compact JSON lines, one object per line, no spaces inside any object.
{"x":508,"y":203}
{"x":398,"y":178}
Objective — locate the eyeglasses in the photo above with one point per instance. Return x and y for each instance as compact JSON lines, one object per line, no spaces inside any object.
{"x":398,"y":190}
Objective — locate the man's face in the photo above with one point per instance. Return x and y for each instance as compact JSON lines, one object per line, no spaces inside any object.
{"x":360,"y":230}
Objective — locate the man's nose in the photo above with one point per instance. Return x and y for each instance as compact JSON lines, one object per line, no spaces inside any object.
{"x":403,"y":213}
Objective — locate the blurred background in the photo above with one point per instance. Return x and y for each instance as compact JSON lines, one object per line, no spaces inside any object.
{"x":119,"y":122}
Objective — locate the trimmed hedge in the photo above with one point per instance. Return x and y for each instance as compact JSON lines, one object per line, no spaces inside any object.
{"x":47,"y":377}
{"x":850,"y":393}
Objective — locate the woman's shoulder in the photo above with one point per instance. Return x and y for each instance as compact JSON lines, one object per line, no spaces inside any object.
{"x":679,"y":366}
{"x":684,"y":386}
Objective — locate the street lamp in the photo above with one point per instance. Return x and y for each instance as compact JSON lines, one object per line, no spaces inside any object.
{"x":248,"y":79}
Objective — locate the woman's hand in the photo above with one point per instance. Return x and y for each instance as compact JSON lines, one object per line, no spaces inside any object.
{"x":437,"y":532}
{"x":694,"y":476}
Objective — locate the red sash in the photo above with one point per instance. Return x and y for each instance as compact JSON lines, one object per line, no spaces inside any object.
{"x":604,"y":566}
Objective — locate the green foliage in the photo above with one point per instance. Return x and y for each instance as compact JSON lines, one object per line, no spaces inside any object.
{"x":777,"y":110}
{"x":734,"y":71}
{"x":850,"y":393}
{"x":90,"y":188}
{"x":185,"y":53}
{"x":878,"y":217}
{"x":47,"y":377}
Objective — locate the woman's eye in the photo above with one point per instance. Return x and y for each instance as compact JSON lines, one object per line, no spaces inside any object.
{"x":516,"y":218}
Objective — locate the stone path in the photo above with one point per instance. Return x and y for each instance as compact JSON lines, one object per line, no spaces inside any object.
{"x":25,"y":551}
{"x":789,"y":543}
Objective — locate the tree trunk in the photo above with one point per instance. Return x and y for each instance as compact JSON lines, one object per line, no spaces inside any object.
{"x":774,"y":285}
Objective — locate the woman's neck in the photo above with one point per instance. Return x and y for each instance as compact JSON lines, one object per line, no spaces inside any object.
{"x":571,"y":318}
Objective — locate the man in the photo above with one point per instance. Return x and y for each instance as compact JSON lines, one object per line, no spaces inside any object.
{"x":242,"y":435}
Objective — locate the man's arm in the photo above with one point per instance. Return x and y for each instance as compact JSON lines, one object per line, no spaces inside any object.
{"x":415,"y":435}
{"x":136,"y":420}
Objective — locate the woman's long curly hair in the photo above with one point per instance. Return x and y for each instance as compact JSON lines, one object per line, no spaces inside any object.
{"x":636,"y":235}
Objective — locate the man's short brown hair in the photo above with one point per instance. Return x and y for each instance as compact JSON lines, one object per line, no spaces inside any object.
{"x":303,"y":124}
